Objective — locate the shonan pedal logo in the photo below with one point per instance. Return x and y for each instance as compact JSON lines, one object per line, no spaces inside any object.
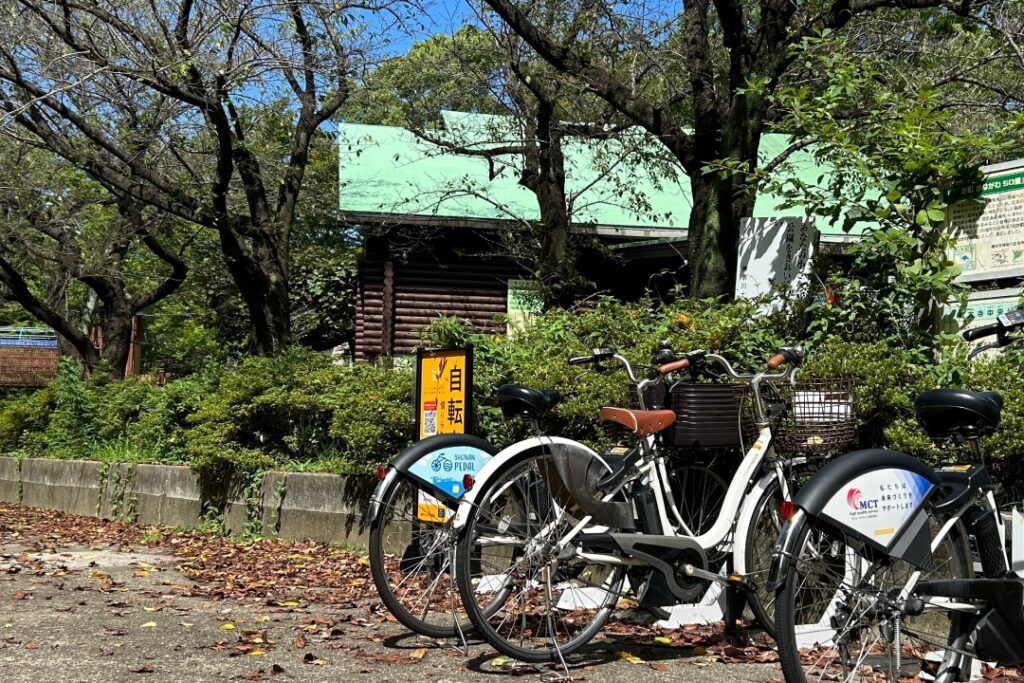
{"x":855,"y":499}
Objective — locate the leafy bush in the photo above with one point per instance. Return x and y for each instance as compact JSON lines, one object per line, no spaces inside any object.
{"x":23,"y":419}
{"x":372,"y":414}
{"x":887,"y":379}
{"x":300,"y":411}
{"x":267,"y":408}
{"x":73,"y":425}
{"x":1004,"y":450}
{"x":163,"y":419}
{"x":118,"y":406}
{"x":536,"y":356}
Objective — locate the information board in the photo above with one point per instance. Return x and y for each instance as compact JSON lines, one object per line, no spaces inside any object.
{"x":444,"y":405}
{"x":774,"y":253}
{"x":990,"y":228}
{"x":524,"y":303}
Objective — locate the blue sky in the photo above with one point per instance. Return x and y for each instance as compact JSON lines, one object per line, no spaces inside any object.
{"x":438,"y":16}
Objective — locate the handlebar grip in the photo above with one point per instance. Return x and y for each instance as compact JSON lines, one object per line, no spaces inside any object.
{"x":775,"y":361}
{"x":581,"y":360}
{"x":979,"y":332}
{"x":674,"y":366}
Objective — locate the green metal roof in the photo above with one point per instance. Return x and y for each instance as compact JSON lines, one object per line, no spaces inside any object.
{"x":389,"y":174}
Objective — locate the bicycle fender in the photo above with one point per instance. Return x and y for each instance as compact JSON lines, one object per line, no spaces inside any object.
{"x":785,"y":550}
{"x":537,"y":443}
{"x":745,"y":518}
{"x":876,"y":497}
{"x":425,"y":462}
{"x":378,"y":495}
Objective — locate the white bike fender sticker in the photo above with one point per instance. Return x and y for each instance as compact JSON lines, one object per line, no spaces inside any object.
{"x":445,"y":468}
{"x":877,"y":504}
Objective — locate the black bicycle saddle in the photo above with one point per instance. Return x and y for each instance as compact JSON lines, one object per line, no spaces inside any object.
{"x":517,"y":400}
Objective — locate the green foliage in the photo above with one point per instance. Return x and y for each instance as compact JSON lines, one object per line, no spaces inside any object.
{"x":887,"y":379}
{"x":164,"y":418}
{"x":1004,"y":450}
{"x":23,"y":418}
{"x":184,"y":345}
{"x":74,"y":423}
{"x":536,"y":356}
{"x":267,"y":407}
{"x":300,"y":411}
{"x":443,"y":72}
{"x":119,"y":405}
{"x":372,"y":414}
{"x":898,"y":166}
{"x":299,"y":407}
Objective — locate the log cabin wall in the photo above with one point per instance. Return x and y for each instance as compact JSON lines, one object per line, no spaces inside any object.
{"x":401,"y":292}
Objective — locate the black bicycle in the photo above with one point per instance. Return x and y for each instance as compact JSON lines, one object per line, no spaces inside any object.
{"x":873,"y":569}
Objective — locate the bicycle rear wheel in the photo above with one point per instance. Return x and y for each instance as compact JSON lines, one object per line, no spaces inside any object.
{"x":839,"y":617}
{"x":525,"y":598}
{"x":410,"y":564}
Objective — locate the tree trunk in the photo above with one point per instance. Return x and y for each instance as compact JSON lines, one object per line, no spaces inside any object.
{"x":117,"y":341}
{"x":557,"y":271}
{"x":719,"y":205}
{"x":721,"y":200}
{"x":261,"y":273}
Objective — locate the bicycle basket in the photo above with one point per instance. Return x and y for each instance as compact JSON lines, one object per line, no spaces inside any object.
{"x":818,"y":416}
{"x":709,"y":416}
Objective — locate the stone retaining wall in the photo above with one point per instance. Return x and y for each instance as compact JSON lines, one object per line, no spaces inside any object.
{"x":326,"y":507}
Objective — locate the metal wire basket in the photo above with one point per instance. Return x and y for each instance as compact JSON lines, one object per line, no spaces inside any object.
{"x":817,"y":416}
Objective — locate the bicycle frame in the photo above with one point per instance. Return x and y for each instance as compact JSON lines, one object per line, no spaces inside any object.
{"x":737,"y":508}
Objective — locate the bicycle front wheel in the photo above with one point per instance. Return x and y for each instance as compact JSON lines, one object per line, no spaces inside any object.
{"x":758,"y":551}
{"x":524,"y":596}
{"x":410,"y":557}
{"x":839,"y":615}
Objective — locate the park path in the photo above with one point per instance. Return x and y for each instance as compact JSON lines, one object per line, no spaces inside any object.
{"x":86,"y":600}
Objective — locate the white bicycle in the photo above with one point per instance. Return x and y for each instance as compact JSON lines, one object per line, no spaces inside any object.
{"x":548,"y":536}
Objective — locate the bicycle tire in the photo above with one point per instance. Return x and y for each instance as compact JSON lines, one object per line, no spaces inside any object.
{"x":758,"y":550}
{"x":537,"y":641}
{"x":443,"y":623}
{"x":862,"y":583}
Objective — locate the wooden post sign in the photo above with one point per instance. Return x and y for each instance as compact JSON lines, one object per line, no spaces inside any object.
{"x":444,"y":391}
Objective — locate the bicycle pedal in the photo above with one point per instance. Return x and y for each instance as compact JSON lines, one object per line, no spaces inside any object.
{"x":738,"y":580}
{"x":742,"y":582}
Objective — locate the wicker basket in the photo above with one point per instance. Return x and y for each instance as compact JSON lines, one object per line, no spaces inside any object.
{"x":818,"y":416}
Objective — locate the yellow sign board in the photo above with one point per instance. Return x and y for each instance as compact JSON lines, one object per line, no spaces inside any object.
{"x":444,"y":405}
{"x":444,"y":392}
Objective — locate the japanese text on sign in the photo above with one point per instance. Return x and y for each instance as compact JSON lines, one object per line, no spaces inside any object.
{"x":443,"y":392}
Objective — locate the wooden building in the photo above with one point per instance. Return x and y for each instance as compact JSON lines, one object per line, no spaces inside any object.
{"x":430,"y":219}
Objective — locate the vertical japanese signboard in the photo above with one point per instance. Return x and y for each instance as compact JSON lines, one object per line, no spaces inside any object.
{"x":444,"y":391}
{"x":444,"y":405}
{"x":774,"y":253}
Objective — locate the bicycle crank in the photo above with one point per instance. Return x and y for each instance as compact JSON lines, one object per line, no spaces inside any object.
{"x":738,"y":580}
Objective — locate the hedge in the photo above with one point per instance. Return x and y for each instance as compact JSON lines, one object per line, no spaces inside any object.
{"x":301,"y":411}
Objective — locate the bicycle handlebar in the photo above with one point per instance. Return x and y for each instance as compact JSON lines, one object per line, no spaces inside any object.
{"x":790,"y":356}
{"x":1004,"y":324}
{"x":674,"y":366}
{"x":979,"y":332}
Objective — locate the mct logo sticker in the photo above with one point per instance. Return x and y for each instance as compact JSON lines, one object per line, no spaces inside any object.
{"x":877,"y":504}
{"x":855,"y":499}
